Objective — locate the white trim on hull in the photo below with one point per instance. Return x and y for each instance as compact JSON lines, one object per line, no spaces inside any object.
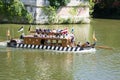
{"x":55,"y":48}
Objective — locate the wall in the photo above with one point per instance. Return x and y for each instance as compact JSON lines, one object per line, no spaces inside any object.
{"x":35,"y":8}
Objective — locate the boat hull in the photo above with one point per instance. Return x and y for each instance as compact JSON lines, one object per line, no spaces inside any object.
{"x":55,"y":48}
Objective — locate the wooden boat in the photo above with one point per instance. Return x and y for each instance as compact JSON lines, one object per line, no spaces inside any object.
{"x":43,"y":40}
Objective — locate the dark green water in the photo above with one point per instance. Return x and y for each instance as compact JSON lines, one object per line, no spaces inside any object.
{"x":27,"y":64}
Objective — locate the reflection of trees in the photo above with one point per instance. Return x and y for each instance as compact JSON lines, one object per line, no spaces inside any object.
{"x":53,"y":66}
{"x":47,"y":66}
{"x":30,"y":65}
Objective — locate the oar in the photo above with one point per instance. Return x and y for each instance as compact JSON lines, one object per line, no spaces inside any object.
{"x":101,"y":47}
{"x":104,"y":47}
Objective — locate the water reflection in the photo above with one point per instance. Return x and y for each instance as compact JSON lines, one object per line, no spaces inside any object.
{"x":37,"y":65}
{"x":96,"y":67}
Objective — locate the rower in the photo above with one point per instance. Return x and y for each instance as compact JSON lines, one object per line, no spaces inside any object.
{"x":87,"y":44}
{"x":79,"y":44}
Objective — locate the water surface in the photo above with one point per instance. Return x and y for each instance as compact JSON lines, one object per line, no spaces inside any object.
{"x":27,"y":64}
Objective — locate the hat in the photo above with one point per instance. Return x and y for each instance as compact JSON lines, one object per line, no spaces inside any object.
{"x":87,"y":42}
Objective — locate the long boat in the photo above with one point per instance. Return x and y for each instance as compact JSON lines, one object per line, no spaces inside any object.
{"x":50,"y":40}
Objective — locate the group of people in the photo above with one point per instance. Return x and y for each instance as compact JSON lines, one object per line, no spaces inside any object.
{"x":64,"y":31}
{"x":58,"y":33}
{"x":86,"y":44}
{"x":66,"y":35}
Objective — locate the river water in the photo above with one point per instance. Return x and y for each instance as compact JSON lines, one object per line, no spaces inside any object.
{"x":27,"y":64}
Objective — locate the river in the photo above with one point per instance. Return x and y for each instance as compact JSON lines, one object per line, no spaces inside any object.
{"x":27,"y":64}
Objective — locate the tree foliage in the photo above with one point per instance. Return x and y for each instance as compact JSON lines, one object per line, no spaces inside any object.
{"x":58,"y":3}
{"x":51,"y":10}
{"x":14,"y":11}
{"x":51,"y":13}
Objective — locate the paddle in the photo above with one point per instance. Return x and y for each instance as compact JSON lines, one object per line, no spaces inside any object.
{"x":101,"y":47}
{"x":104,"y":47}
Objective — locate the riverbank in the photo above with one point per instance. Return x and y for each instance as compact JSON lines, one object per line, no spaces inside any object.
{"x":117,"y":17}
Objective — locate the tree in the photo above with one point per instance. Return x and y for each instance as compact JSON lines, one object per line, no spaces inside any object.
{"x":51,"y":10}
{"x":58,"y":3}
{"x":14,"y":11}
{"x":2,"y":9}
{"x":1,"y":6}
{"x":51,"y":13}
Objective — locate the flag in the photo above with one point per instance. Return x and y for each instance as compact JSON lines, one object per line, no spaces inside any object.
{"x":20,"y":29}
{"x":94,"y":38}
{"x":8,"y":32}
{"x":29,"y":28}
{"x":65,"y":31}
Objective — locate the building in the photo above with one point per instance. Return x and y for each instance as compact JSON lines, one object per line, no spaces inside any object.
{"x":35,"y":8}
